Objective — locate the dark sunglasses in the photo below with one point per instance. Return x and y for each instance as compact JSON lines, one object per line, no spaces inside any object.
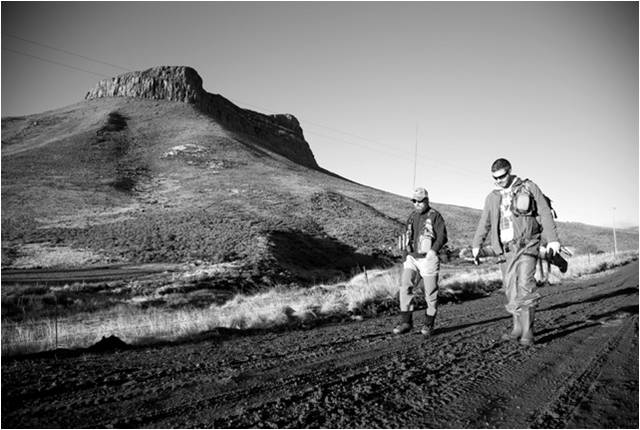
{"x":414,"y":201}
{"x":501,"y":177}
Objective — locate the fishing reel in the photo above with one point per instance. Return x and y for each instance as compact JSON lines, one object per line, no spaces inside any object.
{"x":557,"y":260}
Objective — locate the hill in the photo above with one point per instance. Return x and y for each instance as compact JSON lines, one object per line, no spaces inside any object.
{"x":151,"y":168}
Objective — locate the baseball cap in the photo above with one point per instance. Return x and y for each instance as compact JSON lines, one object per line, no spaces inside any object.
{"x":420,"y":194}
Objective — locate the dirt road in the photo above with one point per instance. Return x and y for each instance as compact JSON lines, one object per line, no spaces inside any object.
{"x":583,"y":372}
{"x":90,"y":274}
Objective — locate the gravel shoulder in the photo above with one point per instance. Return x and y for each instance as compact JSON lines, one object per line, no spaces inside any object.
{"x":583,"y":372}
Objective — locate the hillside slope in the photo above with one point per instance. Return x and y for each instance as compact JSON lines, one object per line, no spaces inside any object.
{"x":159,"y":181}
{"x":151,"y":169}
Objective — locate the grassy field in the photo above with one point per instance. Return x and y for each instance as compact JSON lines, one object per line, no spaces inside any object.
{"x":137,"y":321}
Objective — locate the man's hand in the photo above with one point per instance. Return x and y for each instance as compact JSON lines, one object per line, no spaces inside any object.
{"x":476,"y":255}
{"x":555,"y":246}
{"x":431,"y":254}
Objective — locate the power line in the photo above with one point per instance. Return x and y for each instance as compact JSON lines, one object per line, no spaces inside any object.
{"x":383,"y":147}
{"x":67,"y":52}
{"x":55,"y":62}
{"x":400,"y":154}
{"x":312,"y":123}
{"x":386,"y":152}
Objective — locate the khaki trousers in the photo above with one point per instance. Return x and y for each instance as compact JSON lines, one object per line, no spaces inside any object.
{"x":415,"y":270}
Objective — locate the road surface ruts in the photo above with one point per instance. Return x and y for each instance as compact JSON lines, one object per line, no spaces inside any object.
{"x":87,"y":274}
{"x":357,"y":374}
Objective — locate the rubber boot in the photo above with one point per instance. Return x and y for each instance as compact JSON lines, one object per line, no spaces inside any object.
{"x":427,"y":328}
{"x":431,"y":296}
{"x":526,"y":320}
{"x":406,"y":323}
{"x":516,"y":332}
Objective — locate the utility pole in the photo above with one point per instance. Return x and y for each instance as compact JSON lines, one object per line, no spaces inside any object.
{"x":415,"y":159}
{"x":615,"y":242}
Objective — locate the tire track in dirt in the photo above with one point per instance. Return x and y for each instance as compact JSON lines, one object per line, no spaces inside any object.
{"x":268,"y":387}
{"x":610,"y":401}
{"x":518,"y":388}
{"x":577,"y":384}
{"x":263,"y":386}
{"x":398,"y":367}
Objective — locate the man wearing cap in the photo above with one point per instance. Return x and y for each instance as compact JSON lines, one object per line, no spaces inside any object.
{"x":425,"y":236}
{"x":517,"y":216}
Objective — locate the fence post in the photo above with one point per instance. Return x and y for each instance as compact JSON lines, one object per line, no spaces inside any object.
{"x":56,"y":318}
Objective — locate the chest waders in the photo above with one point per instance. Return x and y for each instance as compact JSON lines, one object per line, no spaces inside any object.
{"x":520,"y":290}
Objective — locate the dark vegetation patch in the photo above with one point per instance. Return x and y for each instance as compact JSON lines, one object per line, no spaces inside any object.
{"x":115,"y":122}
{"x":115,"y":150}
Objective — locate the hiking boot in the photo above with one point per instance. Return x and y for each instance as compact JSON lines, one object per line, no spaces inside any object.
{"x":427,"y":328}
{"x":406,"y":323}
{"x":516,"y":332}
{"x":402,"y":328}
{"x":526,"y":320}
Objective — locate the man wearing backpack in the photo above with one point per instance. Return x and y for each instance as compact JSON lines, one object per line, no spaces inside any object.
{"x":517,"y":216}
{"x":422,"y":241}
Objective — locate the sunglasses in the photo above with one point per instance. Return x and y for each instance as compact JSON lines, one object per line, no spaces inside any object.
{"x":414,"y":201}
{"x":501,"y":177}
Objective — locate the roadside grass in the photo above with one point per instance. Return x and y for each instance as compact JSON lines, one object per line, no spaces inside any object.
{"x":581,"y":265}
{"x":363,"y":295}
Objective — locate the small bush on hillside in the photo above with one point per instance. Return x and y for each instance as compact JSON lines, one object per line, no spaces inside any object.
{"x":115,"y":122}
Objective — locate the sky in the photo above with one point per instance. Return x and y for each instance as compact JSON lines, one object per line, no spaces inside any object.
{"x":389,"y":94}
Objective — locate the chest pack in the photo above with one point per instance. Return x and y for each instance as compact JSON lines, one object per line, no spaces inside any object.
{"x":524,"y":204}
{"x":425,"y":233}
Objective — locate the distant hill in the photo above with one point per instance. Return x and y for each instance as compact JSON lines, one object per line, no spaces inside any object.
{"x":150,"y":168}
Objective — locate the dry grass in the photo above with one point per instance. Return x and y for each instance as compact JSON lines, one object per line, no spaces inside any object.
{"x":129,"y":324}
{"x":587,"y":264}
{"x":364,"y":294}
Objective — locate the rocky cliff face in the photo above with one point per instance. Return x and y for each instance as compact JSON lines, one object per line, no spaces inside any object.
{"x":281,"y":133}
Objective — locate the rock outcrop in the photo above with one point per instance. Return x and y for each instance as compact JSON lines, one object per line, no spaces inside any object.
{"x":280,"y":133}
